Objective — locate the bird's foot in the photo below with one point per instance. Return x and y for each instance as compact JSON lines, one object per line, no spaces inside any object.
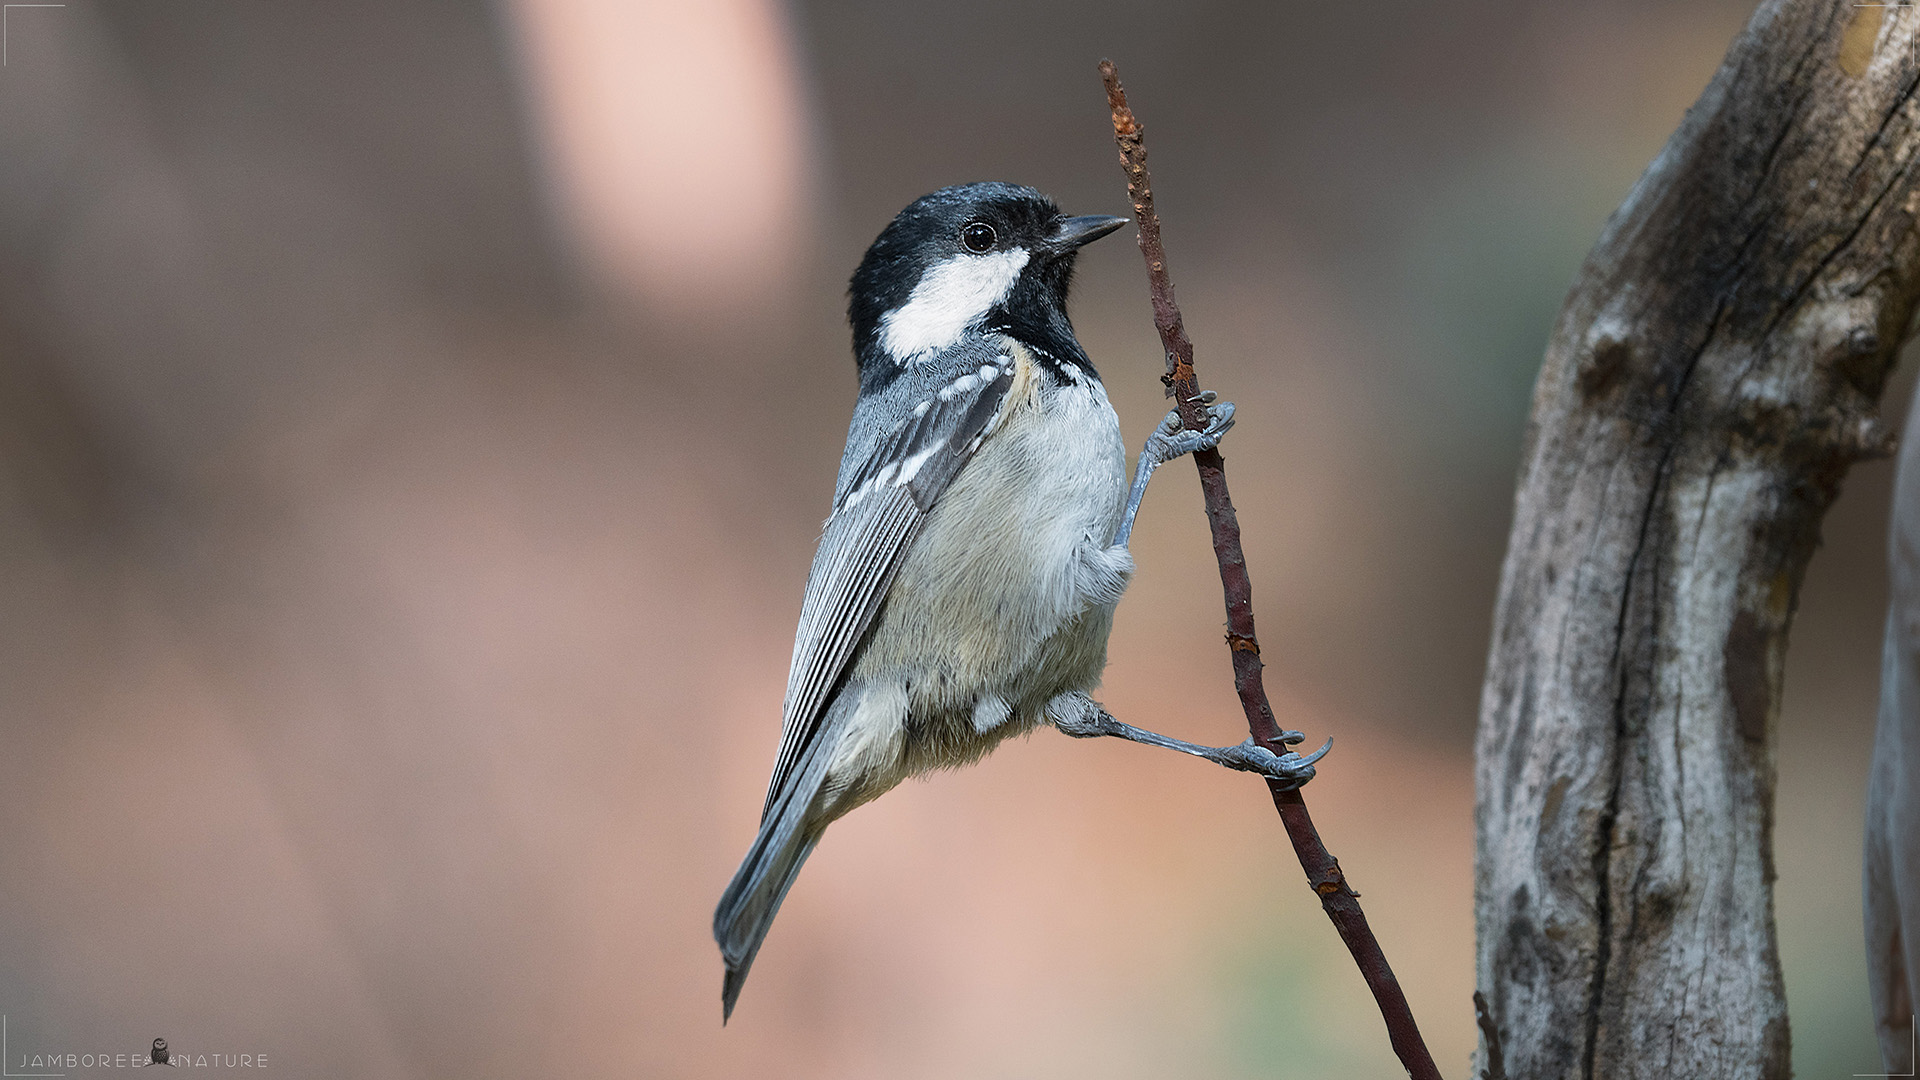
{"x":1168,"y":441}
{"x":1174,"y":439}
{"x":1288,"y":769}
{"x":1083,"y":718}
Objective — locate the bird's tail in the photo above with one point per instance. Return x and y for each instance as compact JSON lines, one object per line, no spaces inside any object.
{"x":753,"y":897}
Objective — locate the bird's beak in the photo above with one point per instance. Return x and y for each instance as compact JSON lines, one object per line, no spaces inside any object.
{"x":1077,"y":232}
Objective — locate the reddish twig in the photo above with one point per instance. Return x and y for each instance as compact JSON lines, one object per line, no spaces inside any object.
{"x":1489,"y":1033}
{"x":1340,"y":902}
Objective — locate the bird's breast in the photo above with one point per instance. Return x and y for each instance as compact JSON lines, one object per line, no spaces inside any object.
{"x":988,"y":594}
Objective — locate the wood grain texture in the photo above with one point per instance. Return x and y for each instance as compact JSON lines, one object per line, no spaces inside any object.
{"x":1715,"y":371}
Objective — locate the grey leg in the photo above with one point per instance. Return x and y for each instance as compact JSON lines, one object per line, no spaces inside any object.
{"x":1084,"y":718}
{"x":1168,"y":441}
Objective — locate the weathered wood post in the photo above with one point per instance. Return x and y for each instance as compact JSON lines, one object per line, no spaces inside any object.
{"x":1714,"y":373}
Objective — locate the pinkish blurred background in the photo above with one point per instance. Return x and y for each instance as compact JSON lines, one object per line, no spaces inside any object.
{"x":416,"y":417}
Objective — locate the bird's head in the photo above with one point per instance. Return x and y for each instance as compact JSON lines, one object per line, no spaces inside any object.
{"x":987,"y":256}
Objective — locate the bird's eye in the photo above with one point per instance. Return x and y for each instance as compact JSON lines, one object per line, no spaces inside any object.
{"x":978,"y":236}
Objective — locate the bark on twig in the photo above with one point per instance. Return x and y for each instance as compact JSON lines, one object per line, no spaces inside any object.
{"x":1340,"y":902}
{"x":1714,"y":373}
{"x":1495,"y":1067}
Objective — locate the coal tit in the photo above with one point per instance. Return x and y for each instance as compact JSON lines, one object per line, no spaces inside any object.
{"x":965,"y":582}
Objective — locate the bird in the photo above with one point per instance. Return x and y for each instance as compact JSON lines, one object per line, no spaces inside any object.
{"x":965,"y":581}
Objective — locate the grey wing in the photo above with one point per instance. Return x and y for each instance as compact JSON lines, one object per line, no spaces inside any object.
{"x":882,"y":505}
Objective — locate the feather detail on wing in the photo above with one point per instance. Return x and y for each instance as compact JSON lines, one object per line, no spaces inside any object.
{"x":873,"y":525}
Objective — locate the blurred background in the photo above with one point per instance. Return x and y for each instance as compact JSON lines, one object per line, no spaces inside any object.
{"x":416,"y":418}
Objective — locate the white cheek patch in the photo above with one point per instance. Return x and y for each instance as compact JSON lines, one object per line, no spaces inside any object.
{"x":950,"y":297}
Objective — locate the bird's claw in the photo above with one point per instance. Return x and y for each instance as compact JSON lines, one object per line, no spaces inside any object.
{"x":1289,"y":768}
{"x":1174,"y":439}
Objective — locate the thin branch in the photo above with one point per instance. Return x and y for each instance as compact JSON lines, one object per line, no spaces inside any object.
{"x":1340,"y":902}
{"x":1489,"y":1031}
